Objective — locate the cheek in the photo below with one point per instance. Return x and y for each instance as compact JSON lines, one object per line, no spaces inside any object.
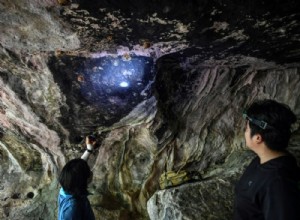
{"x":247,"y":133}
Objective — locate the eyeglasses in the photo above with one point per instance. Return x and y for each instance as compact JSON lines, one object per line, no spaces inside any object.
{"x":261,"y":124}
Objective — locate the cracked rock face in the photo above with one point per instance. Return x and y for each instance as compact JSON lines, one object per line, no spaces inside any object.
{"x":106,"y":88}
{"x":161,"y":86}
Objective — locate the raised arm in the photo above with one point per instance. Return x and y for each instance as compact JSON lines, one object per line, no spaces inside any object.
{"x":90,"y":143}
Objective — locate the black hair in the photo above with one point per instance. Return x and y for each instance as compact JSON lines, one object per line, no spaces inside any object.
{"x":279,"y":118}
{"x":74,"y":177}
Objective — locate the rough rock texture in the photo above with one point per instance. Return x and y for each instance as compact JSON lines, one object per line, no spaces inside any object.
{"x":203,"y":107}
{"x":160,"y":84}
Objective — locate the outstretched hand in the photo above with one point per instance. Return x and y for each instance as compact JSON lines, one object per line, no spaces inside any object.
{"x":90,"y":142}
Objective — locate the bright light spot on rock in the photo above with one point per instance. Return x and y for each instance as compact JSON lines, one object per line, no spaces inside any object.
{"x":116,"y":81}
{"x":127,"y":73}
{"x":116,"y":63}
{"x":124,"y":84}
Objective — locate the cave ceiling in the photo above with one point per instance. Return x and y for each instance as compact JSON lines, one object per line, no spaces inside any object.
{"x":103,"y":54}
{"x":144,"y":31}
{"x":155,"y":81}
{"x":214,"y":29}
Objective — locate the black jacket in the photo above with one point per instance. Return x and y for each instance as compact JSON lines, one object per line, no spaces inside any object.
{"x":269,"y":191}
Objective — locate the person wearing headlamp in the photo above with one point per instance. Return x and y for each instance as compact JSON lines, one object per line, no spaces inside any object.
{"x":269,"y":187}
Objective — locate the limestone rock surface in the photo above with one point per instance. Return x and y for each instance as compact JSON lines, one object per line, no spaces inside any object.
{"x":162,"y":86}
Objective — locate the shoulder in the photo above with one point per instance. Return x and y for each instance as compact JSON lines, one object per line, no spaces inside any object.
{"x":285,"y":176}
{"x":71,"y":209}
{"x":287,"y":168}
{"x":254,"y":161}
{"x":68,"y":203}
{"x":254,"y":164}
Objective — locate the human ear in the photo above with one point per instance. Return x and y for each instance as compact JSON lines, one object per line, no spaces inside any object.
{"x":258,"y":139}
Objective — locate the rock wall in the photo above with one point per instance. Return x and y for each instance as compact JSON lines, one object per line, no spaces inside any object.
{"x":202,"y":109}
{"x":188,"y":116}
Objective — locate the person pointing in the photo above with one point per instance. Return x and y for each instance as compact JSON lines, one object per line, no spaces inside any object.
{"x":74,"y":179}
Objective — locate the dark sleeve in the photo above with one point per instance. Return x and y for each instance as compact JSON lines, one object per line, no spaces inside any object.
{"x":281,"y":201}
